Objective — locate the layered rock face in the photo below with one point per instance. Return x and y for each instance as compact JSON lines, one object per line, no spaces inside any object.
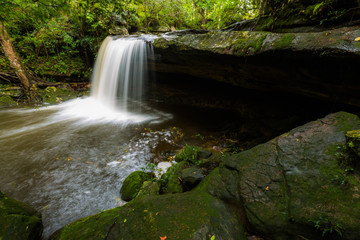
{"x":321,"y":65}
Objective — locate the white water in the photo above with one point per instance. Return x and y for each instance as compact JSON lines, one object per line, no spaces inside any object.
{"x":118,"y":76}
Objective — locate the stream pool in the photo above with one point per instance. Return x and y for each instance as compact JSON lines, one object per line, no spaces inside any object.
{"x":68,"y":161}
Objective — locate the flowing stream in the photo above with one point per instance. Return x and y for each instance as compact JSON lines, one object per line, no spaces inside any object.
{"x":69,"y":160}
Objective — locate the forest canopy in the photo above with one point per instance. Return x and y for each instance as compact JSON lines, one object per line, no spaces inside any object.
{"x":61,"y":37}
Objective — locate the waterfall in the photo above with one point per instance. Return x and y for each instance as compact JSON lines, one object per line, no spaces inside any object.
{"x":118,"y":77}
{"x":118,"y":82}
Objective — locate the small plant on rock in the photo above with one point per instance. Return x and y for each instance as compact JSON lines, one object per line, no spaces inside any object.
{"x":327,"y":227}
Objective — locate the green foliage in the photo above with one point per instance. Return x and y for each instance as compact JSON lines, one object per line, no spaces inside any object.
{"x":327,"y":227}
{"x":188,"y":154}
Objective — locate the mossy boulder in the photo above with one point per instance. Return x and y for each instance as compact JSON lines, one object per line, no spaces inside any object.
{"x":133,"y":184}
{"x":149,"y":188}
{"x":192,"y":176}
{"x":293,"y":185}
{"x":18,"y":221}
{"x":192,"y":215}
{"x":170,"y":180}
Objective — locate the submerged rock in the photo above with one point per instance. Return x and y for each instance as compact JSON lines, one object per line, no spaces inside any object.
{"x":18,"y":221}
{"x":133,"y":184}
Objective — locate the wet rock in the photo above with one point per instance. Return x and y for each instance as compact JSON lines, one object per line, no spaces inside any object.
{"x":204,"y":154}
{"x":293,"y":185}
{"x":192,"y":176}
{"x":18,"y":221}
{"x":192,"y":215}
{"x":171,"y":179}
{"x":149,"y":188}
{"x":133,"y":184}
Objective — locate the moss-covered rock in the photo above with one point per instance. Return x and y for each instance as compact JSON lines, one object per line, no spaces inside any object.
{"x":149,"y":188}
{"x":54,"y":95}
{"x":293,"y":182}
{"x":269,"y":61}
{"x":192,"y":176}
{"x":133,"y":184}
{"x":7,"y":101}
{"x":18,"y":221}
{"x":191,"y":215}
{"x":171,"y":179}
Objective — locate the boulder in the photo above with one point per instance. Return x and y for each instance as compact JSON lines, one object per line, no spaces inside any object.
{"x":18,"y":221}
{"x":192,"y":215}
{"x":171,"y":179}
{"x":149,"y":188}
{"x":293,"y":186}
{"x":192,"y":176}
{"x":133,"y":184}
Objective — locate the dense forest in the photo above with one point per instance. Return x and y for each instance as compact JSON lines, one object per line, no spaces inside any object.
{"x":53,"y":39}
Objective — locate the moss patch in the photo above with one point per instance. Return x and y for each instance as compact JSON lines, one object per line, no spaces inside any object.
{"x":7,"y":101}
{"x":192,"y":215}
{"x":18,"y":220}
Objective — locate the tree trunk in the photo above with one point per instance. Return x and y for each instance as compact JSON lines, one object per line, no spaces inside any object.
{"x":14,"y":59}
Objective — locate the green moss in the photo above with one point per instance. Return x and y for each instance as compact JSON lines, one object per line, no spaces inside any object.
{"x":54,"y":95}
{"x":170,"y":182}
{"x":249,"y":43}
{"x":7,"y":101}
{"x":284,"y":42}
{"x":192,"y":215}
{"x":18,"y":220}
{"x":133,"y":184}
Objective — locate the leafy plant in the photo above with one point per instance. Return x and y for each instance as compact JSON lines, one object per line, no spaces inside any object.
{"x":327,"y":227}
{"x":188,"y":154}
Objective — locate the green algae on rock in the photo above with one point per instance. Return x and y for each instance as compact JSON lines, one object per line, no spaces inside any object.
{"x":133,"y":184}
{"x":18,"y":221}
{"x":291,"y":181}
{"x":191,"y":215}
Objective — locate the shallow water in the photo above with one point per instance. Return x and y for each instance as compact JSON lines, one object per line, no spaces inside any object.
{"x":69,"y":160}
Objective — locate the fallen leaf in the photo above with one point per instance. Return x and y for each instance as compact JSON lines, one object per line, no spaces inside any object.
{"x":146,"y":210}
{"x":357,"y":39}
{"x":267,"y":188}
{"x":163,"y":238}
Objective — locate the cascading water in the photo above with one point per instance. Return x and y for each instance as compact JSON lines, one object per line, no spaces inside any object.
{"x":118,"y":81}
{"x":118,"y":76}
